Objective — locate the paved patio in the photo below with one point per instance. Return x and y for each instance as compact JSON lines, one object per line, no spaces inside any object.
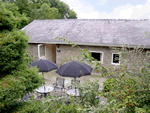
{"x":50,"y":78}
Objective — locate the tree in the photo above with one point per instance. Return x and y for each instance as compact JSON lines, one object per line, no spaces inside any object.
{"x":10,"y":18}
{"x":63,"y":9}
{"x":7,"y":19}
{"x":28,"y":10}
{"x":45,"y":12}
{"x":72,"y":14}
{"x":23,"y":6}
{"x":16,"y":80}
{"x":32,"y":7}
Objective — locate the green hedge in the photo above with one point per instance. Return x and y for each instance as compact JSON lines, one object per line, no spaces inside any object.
{"x":12,"y":50}
{"x":17,"y":85}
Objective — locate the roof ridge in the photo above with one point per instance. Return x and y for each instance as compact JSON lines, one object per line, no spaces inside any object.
{"x":95,"y":20}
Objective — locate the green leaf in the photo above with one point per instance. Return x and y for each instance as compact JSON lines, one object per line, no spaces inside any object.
{"x":73,"y":45}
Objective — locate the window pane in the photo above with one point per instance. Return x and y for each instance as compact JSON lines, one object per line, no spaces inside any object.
{"x":96,"y":56}
{"x":115,"y":58}
{"x":42,"y":50}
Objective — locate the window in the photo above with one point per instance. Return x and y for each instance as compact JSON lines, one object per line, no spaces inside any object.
{"x":115,"y":59}
{"x":41,"y":50}
{"x":97,"y":55}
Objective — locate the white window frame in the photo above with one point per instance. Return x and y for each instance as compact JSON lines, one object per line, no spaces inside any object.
{"x":112,"y":59}
{"x":101,"y":56}
{"x":39,"y":51}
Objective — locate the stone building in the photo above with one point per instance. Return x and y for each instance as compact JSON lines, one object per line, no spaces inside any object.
{"x":96,"y":35}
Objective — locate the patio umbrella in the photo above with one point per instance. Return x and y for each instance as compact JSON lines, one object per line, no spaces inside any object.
{"x":74,"y":69}
{"x":44,"y":66}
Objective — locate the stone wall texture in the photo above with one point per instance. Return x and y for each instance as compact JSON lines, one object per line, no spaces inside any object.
{"x":33,"y":51}
{"x":50,"y":52}
{"x":65,"y":53}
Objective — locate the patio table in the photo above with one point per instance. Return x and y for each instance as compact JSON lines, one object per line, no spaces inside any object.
{"x":47,"y":90}
{"x":73,"y":92}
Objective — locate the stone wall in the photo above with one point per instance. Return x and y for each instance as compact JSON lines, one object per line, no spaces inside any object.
{"x":33,"y":51}
{"x":62,"y":54}
{"x":66,"y":52}
{"x":50,"y":52}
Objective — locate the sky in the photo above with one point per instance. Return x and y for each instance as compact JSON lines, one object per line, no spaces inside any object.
{"x":110,"y":9}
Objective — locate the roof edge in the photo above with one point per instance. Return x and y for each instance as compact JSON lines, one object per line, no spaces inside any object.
{"x":92,"y":20}
{"x":27,"y":25}
{"x":96,"y":44}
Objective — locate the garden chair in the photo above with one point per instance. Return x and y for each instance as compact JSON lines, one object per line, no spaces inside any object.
{"x":59,"y":84}
{"x":73,"y":84}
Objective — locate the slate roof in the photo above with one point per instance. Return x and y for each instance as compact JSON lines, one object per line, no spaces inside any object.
{"x":101,"y":32}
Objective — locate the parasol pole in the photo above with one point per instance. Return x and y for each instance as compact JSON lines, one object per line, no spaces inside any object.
{"x":44,"y":84}
{"x":75,"y":85}
{"x":74,"y":79}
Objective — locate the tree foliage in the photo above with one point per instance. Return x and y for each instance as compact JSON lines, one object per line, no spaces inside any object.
{"x":72,"y":14}
{"x":54,"y":9}
{"x":21,"y":12}
{"x":13,"y":45}
{"x":10,"y":17}
{"x":23,"y":6}
{"x":16,"y":80}
{"x":7,"y":19}
{"x":44,"y":12}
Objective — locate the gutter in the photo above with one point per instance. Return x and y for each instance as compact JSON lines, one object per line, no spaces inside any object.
{"x":95,"y":44}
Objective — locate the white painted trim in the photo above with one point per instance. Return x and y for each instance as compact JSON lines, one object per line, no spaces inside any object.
{"x":39,"y":51}
{"x":112,"y":59}
{"x":101,"y":56}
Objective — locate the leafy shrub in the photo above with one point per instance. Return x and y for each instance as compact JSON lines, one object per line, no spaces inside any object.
{"x":31,"y":106}
{"x":10,"y":18}
{"x":130,"y":92}
{"x":7,"y":19}
{"x":109,"y":84}
{"x":16,"y":80}
{"x":17,"y":85}
{"x":89,"y":93}
{"x":51,"y":105}
{"x":12,"y":50}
